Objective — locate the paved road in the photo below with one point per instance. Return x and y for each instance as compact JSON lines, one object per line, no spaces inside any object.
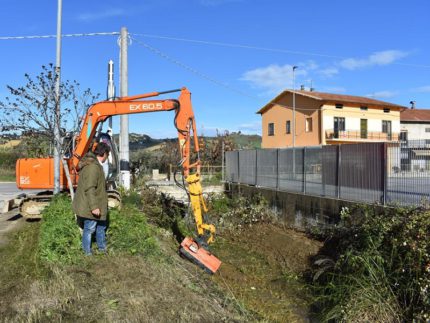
{"x":10,"y":191}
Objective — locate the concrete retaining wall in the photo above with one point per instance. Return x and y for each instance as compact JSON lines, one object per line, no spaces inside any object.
{"x":297,"y":210}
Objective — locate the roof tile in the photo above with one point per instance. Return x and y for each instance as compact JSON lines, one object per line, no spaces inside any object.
{"x":415,"y":115}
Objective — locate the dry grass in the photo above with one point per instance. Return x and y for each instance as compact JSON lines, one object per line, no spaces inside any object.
{"x":112,"y":288}
{"x":11,"y":143}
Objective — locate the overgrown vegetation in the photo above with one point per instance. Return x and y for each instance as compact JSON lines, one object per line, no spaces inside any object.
{"x":375,"y":266}
{"x":60,"y":238}
{"x":239,"y":212}
{"x":45,"y":277}
{"x":264,"y":264}
{"x":7,"y":164}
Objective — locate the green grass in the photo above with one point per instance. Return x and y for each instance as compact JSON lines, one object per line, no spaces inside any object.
{"x":60,"y":238}
{"x":129,"y":232}
{"x":7,"y":175}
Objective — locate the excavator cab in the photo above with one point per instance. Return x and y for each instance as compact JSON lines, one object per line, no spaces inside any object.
{"x":113,"y":160}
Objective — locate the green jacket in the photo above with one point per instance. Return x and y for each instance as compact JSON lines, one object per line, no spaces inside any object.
{"x":91,"y":192}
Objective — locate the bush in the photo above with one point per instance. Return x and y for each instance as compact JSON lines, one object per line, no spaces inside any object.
{"x":60,"y":238}
{"x":376,"y":261}
{"x":238,"y":212}
{"x":129,"y":232}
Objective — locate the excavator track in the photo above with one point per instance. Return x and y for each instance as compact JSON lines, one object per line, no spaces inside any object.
{"x":32,"y":206}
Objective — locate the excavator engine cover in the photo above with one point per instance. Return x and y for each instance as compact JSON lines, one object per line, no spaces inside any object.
{"x":199,"y":255}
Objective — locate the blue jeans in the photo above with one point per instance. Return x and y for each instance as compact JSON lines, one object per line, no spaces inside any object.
{"x":89,"y":227}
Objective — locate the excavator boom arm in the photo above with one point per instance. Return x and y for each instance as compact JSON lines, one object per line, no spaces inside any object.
{"x":184,"y":121}
{"x":185,"y":125}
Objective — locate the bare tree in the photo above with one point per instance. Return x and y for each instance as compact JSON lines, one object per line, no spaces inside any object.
{"x":30,"y":109}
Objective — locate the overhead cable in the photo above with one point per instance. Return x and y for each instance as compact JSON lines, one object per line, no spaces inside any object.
{"x":287,"y":51}
{"x":191,"y":69}
{"x":55,"y":36}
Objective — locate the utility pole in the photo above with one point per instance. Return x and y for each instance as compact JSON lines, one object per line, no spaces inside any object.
{"x":123,"y":138}
{"x":294,"y":121}
{"x":57,"y":136}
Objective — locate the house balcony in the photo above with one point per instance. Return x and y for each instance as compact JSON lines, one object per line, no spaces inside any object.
{"x":333,"y":137}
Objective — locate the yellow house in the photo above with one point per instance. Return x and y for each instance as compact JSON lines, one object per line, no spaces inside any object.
{"x":325,"y":118}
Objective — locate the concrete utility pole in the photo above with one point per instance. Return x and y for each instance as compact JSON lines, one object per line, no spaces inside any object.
{"x":57,"y":136}
{"x":294,"y":120}
{"x":294,"y":107}
{"x":123,"y":139}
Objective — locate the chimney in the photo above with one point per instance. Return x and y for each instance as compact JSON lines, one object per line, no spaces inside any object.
{"x":412,"y":104}
{"x":311,"y":89}
{"x":302,"y":87}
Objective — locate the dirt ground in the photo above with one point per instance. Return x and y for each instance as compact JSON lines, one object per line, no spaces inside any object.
{"x":260,"y":280}
{"x":263,"y":267}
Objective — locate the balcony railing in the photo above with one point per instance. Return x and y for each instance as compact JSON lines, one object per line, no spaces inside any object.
{"x":360,"y":135}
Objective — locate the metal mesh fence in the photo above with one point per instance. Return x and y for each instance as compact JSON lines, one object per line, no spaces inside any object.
{"x":408,"y":172}
{"x":232,"y":166}
{"x":361,"y":172}
{"x":267,"y":174}
{"x":248,"y":167}
{"x":313,"y":170}
{"x":386,"y":173}
{"x":290,"y":169}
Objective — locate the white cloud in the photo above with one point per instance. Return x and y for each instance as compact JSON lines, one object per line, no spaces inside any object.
{"x":329,"y":72}
{"x":422,"y":89}
{"x":378,"y":58}
{"x":275,"y":78}
{"x":382,"y":94}
{"x":108,"y":13}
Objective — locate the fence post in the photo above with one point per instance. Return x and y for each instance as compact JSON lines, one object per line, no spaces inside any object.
{"x":304,"y":170}
{"x":384,"y":173}
{"x":323,"y":175}
{"x":277,"y":169}
{"x":256,"y":167}
{"x":223,"y":162}
{"x":339,"y":161}
{"x":238,"y":167}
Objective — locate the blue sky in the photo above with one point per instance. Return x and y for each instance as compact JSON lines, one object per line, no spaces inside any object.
{"x":234,"y":55}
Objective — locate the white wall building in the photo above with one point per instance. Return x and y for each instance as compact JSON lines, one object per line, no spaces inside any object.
{"x":415,"y":137}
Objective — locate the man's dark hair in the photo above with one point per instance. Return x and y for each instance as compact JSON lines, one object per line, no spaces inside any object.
{"x":101,"y":149}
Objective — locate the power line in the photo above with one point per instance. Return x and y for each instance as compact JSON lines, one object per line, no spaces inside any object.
{"x":191,"y":69}
{"x":287,"y":51}
{"x":54,"y":36}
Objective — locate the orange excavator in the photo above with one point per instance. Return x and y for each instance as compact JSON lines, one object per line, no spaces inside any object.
{"x":37,"y":173}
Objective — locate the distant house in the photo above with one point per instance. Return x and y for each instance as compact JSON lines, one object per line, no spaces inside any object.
{"x":415,"y":124}
{"x":325,"y":118}
{"x":415,"y":140}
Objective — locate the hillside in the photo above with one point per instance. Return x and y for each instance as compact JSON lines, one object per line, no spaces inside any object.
{"x":241,"y":141}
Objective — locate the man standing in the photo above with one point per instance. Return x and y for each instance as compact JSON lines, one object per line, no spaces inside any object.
{"x":91,"y":202}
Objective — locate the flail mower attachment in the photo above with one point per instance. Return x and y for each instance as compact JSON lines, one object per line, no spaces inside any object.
{"x":199,"y":255}
{"x":196,"y":250}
